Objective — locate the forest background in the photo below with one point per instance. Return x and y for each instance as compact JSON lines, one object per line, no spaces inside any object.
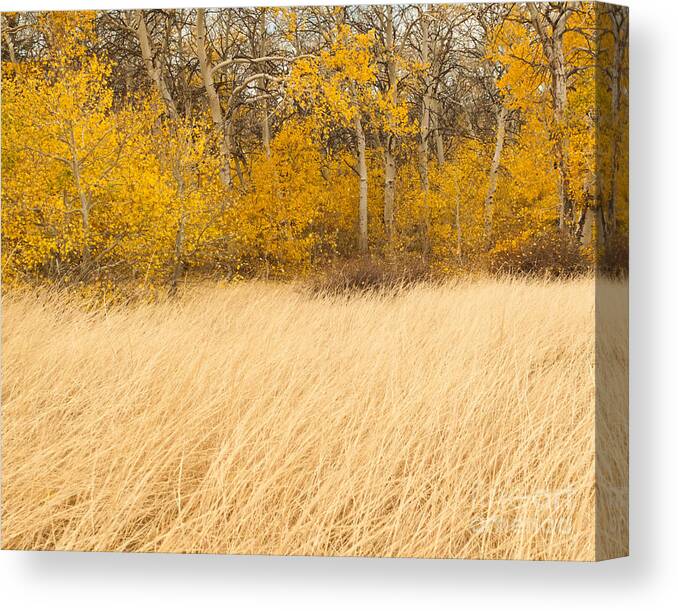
{"x":143,"y":148}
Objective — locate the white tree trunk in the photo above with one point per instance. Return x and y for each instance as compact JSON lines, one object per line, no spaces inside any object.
{"x":390,"y":169}
{"x":220,"y":125}
{"x":425,"y":118}
{"x":85,"y":202}
{"x":494,"y":172}
{"x":440,"y":144}
{"x":153,"y":66}
{"x":552,"y":45}
{"x":362,"y":171}
{"x":562,"y":145}
{"x":179,"y":238}
{"x":424,"y":132}
{"x":265,"y":130}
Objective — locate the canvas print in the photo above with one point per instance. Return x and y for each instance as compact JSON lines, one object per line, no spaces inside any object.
{"x":328,"y":280}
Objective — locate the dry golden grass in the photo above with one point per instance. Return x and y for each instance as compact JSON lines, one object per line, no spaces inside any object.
{"x":448,"y":421}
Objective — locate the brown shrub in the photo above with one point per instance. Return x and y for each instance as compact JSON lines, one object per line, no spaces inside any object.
{"x":367,"y":274}
{"x":546,"y":253}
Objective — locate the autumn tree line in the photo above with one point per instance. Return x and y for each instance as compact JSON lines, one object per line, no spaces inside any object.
{"x":150,"y":146}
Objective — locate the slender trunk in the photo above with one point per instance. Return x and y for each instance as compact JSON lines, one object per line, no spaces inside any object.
{"x":589,"y":218}
{"x":424,"y":132}
{"x":85,"y":258}
{"x":440,"y":144}
{"x":425,"y":118}
{"x":220,"y":125}
{"x":153,"y":65}
{"x":265,"y":130}
{"x":389,"y":190}
{"x":85,"y":203}
{"x":552,"y":45}
{"x":8,"y":40}
{"x":178,"y":267}
{"x":389,"y":156}
{"x":619,"y":26}
{"x":362,"y":171}
{"x":566,"y":209}
{"x":178,"y":270}
{"x":494,"y":173}
{"x":239,"y":163}
{"x":614,"y":170}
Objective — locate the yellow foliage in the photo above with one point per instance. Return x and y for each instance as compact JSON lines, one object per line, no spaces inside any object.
{"x":99,"y":188}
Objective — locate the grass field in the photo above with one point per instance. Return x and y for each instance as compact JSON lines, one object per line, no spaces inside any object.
{"x":444,"y":421}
